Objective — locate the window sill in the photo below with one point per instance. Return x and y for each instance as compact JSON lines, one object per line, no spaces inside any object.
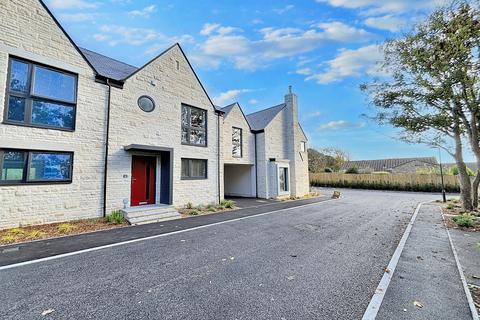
{"x":21,"y":124}
{"x":194,"y":145}
{"x":186,"y":178}
{"x":32,"y":183}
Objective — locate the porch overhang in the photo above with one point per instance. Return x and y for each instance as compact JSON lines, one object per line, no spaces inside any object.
{"x":146,"y":148}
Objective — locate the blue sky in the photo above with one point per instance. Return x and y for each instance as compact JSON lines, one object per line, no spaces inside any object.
{"x":251,"y":51}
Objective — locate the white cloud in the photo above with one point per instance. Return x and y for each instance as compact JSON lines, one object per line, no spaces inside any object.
{"x":387,"y":22}
{"x":274,"y":43}
{"x":208,"y":28}
{"x":78,"y":17}
{"x":72,"y":4}
{"x":229,"y":96}
{"x":334,"y":125}
{"x":314,"y":114}
{"x":350,"y":63}
{"x":145,"y":12}
{"x":116,"y":34}
{"x":340,"y":31}
{"x":253,"y":101}
{"x":341,"y":124}
{"x":284,"y":9}
{"x":304,"y":71}
{"x":376,"y":7}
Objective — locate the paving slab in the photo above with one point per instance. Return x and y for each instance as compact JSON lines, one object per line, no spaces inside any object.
{"x":427,"y":275}
{"x":467,"y":245}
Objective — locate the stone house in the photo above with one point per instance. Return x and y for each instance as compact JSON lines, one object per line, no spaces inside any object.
{"x":82,"y":134}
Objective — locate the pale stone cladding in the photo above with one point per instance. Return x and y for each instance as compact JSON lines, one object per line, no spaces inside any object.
{"x":42,"y":41}
{"x":299,"y":179}
{"x":169,"y":88}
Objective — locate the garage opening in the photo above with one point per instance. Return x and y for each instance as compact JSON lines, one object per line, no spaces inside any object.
{"x":239,"y":180}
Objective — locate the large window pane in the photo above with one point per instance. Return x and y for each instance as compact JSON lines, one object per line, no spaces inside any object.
{"x":50,"y":166}
{"x":197,"y":137}
{"x":197,"y":118}
{"x":194,"y":126}
{"x":237,"y":142}
{"x":13,"y":165}
{"x":52,"y":114}
{"x":199,"y":168}
{"x":16,"y":109}
{"x":54,"y":85}
{"x":19,"y":76}
{"x":194,"y":169}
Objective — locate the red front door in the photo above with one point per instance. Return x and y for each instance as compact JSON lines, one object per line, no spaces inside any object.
{"x":143,"y":180}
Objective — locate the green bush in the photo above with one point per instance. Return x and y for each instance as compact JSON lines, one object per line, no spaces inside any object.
{"x":465,"y":220}
{"x":352,"y":170}
{"x":65,"y":227}
{"x":115,"y":217}
{"x":228,"y":204}
{"x":453,"y":170}
{"x":189,"y":205}
{"x":194,"y":212}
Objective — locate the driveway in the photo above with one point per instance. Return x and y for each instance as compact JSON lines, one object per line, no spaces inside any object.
{"x":321,"y":261}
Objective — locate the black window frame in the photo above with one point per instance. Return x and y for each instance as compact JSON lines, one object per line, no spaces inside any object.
{"x":149,"y":98}
{"x":26,"y":167}
{"x":190,"y":161}
{"x":29,"y":96}
{"x":240,"y":143}
{"x":189,"y":127}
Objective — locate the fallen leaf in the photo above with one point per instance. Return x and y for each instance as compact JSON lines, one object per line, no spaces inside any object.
{"x":232,"y":258}
{"x":48,"y":311}
{"x":417,"y":304}
{"x":475,"y":277}
{"x":387,"y":270}
{"x":291,"y":277}
{"x":419,"y":258}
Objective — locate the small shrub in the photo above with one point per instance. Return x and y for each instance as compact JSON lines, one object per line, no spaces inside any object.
{"x":115,"y":217}
{"x":35,"y":234}
{"x":328,"y":170}
{"x":453,"y":170}
{"x":189,"y":205}
{"x":194,"y":212}
{"x":211,"y":207}
{"x":65,"y":227}
{"x":228,"y":204}
{"x":16,"y":232}
{"x":465,"y":220}
{"x":352,"y":170}
{"x":9,"y":238}
{"x":450,"y":206}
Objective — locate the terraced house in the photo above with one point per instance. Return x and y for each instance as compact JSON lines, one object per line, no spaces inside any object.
{"x":82,"y":134}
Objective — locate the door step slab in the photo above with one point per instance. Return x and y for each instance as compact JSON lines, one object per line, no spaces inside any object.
{"x":150,"y":214}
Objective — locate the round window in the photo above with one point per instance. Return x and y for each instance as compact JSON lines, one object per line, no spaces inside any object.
{"x":146,"y":103}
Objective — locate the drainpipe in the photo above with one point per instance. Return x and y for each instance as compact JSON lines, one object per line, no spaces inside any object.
{"x":107,"y":139}
{"x":218,"y":158}
{"x":256,"y":167}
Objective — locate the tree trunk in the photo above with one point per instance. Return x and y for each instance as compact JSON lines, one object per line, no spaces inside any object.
{"x":475,"y":184}
{"x":464,"y":179}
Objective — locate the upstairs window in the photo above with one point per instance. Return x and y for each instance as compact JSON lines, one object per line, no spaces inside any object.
{"x":237,"y":142}
{"x":303,"y":146}
{"x":40,"y":96}
{"x":194,"y":126}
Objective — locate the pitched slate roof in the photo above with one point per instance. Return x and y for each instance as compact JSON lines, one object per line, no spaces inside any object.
{"x":228,"y":108}
{"x":108,"y":67}
{"x":385,"y":164}
{"x":260,"y":119}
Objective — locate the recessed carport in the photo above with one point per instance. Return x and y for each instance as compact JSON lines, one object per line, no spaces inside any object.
{"x":239,"y":180}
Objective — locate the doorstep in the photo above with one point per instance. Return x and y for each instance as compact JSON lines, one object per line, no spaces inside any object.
{"x":22,"y":252}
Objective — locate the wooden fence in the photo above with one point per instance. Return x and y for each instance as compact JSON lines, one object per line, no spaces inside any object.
{"x":404,"y":182}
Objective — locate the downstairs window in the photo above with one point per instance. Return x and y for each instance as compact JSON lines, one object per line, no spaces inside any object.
{"x":29,"y":166}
